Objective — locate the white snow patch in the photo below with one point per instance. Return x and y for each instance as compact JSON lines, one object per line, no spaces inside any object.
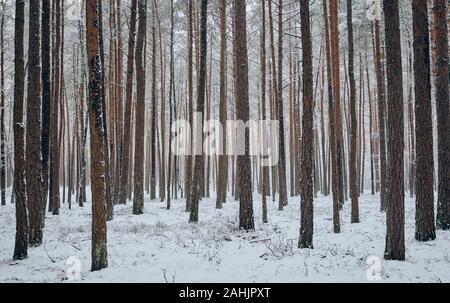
{"x":161,"y":246}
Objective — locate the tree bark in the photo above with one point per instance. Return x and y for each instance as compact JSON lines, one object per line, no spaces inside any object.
{"x":332,"y":125}
{"x":264,"y":169}
{"x":199,"y":159}
{"x":246,"y":219}
{"x":190,"y":59}
{"x":379,"y":67}
{"x":395,"y":238}
{"x":54,"y":111}
{"x":20,"y":192}
{"x":443,"y":116}
{"x":223,"y":158}
{"x":354,"y":188}
{"x":126,"y":152}
{"x":280,"y":111}
{"x":425,"y":224}
{"x":2,"y":110}
{"x":138,"y":202}
{"x":33,"y":143}
{"x":307,"y":192}
{"x":98,"y":157}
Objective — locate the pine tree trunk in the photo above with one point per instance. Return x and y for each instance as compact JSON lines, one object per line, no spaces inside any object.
{"x":325,"y":190}
{"x":97,"y":132}
{"x":395,"y":238}
{"x":153,"y":115}
{"x":2,"y":110}
{"x":379,"y":67}
{"x":223,"y":158}
{"x":199,"y":159}
{"x":46,"y":96}
{"x":20,"y":192}
{"x":265,"y":168}
{"x":34,"y":134}
{"x":246,"y":219}
{"x":54,"y":111}
{"x":354,"y":188}
{"x":171,"y":108}
{"x":425,"y":224}
{"x":138,"y":202}
{"x":280,"y":114}
{"x":189,"y":157}
{"x":443,"y":110}
{"x":332,"y":126}
{"x":162,"y":154}
{"x":126,"y":152}
{"x":307,"y":224}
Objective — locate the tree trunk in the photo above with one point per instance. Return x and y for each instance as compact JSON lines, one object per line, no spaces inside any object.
{"x":265,"y":168}
{"x":33,"y":143}
{"x":46,"y":96}
{"x":280,"y":111}
{"x":425,"y":224}
{"x":54,"y":111}
{"x":189,"y":157}
{"x":354,"y":188}
{"x":20,"y":192}
{"x":379,"y":67}
{"x":2,"y":110}
{"x":153,"y":117}
{"x":332,"y":125}
{"x":395,"y":238}
{"x":125,"y":159}
{"x":223,"y":158}
{"x":246,"y":219}
{"x":199,"y":159}
{"x":307,"y":224}
{"x":97,"y":132}
{"x":138,"y":202}
{"x":443,"y":117}
{"x":171,"y":108}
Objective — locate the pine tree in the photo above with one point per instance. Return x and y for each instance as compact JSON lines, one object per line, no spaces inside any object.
{"x":54,"y":201}
{"x":353,"y":120}
{"x":395,"y":238}
{"x":443,"y":112}
{"x":307,"y":192}
{"x":381,"y":88}
{"x":2,"y":110}
{"x":332,"y":125}
{"x":223,"y":159}
{"x":246,"y":219}
{"x":96,"y":116}
{"x":425,"y":224}
{"x":265,"y":168}
{"x":172,"y":106}
{"x":280,"y":111}
{"x":20,"y":192}
{"x":154,"y":133}
{"x":138,"y":203}
{"x":126,"y":152}
{"x":189,"y":157}
{"x":46,"y":96}
{"x":199,"y":159}
{"x":33,"y":140}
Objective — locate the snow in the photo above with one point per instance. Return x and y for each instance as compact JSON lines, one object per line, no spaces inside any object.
{"x":161,"y":246}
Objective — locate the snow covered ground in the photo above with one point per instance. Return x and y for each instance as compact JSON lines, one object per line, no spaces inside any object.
{"x":160,"y":246}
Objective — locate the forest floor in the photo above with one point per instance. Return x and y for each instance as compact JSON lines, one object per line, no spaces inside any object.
{"x":161,"y":246}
